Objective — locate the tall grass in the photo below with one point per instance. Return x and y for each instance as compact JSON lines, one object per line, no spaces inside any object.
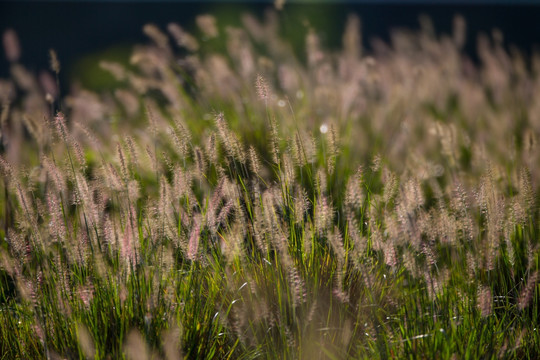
{"x":228,"y":200}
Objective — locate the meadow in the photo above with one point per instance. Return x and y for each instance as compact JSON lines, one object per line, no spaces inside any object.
{"x":233,"y":197}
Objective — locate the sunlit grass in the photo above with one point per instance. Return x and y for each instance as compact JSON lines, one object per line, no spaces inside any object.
{"x":244,"y":204}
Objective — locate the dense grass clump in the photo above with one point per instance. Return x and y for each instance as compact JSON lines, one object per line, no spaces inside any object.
{"x":227,"y":200}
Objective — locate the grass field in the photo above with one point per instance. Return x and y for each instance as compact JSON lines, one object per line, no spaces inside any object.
{"x":229,"y":200}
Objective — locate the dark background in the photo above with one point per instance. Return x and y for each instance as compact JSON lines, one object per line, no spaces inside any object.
{"x":83,"y":29}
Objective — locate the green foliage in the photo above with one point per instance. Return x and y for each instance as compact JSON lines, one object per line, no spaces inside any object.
{"x":348,"y":207}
